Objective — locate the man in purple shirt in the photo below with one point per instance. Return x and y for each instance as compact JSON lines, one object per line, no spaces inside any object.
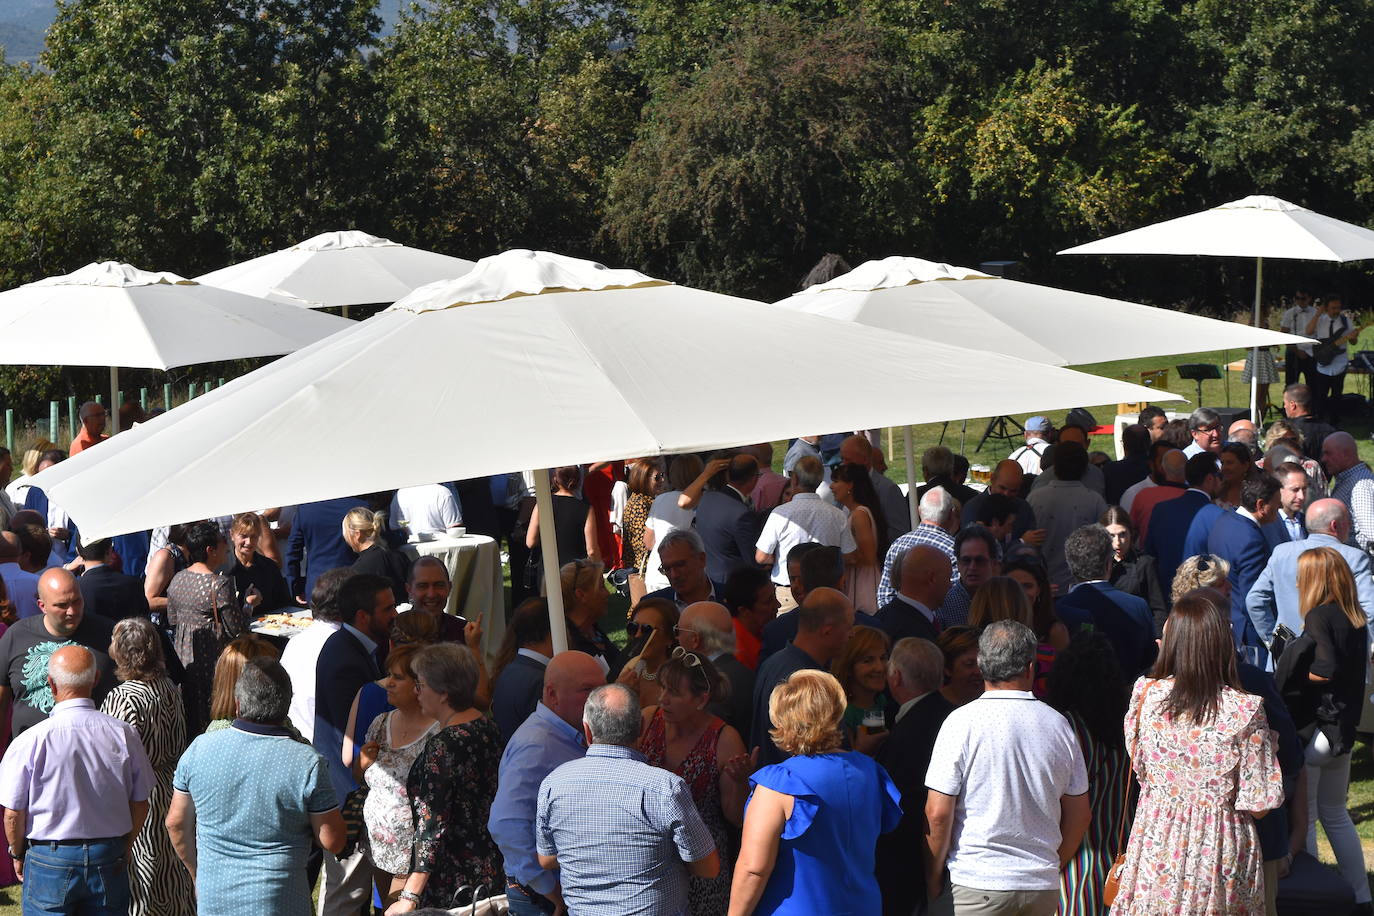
{"x":61,"y":784}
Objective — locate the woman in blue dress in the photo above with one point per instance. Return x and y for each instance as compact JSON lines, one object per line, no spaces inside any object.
{"x":813,"y":820}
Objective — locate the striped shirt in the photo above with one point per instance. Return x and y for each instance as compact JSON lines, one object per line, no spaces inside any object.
{"x":1355,"y":487}
{"x":925,"y":533}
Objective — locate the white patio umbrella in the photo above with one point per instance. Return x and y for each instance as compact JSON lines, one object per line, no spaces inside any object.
{"x":1256,"y":227}
{"x":535,"y":360}
{"x":339,"y":269}
{"x":958,"y":305}
{"x":111,"y":314}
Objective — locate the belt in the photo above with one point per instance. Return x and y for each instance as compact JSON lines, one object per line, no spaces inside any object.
{"x":81,"y":842}
{"x":538,"y":899}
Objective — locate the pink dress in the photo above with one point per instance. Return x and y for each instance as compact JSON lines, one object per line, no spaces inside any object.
{"x":861,"y":585}
{"x":1193,"y":848}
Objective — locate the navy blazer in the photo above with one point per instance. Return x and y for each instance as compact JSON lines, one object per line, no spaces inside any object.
{"x":1200,"y":529}
{"x":1120,"y":476}
{"x":1124,"y":619}
{"x":343,"y":667}
{"x":1168,"y":534}
{"x":112,"y":594}
{"x":316,"y":544}
{"x":1276,"y":532}
{"x":729,"y":529}
{"x":738,"y":708}
{"x":518,"y":689}
{"x":779,"y":632}
{"x":900,"y":620}
{"x":1239,"y":541}
{"x":670,"y":595}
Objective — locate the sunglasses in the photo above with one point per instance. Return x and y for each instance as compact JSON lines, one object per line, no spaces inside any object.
{"x":690,"y":659}
{"x":634,"y":630}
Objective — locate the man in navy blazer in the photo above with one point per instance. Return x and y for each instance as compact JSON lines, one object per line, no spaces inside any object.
{"x":1171,"y":519}
{"x":316,"y":544}
{"x":922,"y":581}
{"x":726,"y":520}
{"x":520,"y":685}
{"x":1093,"y":601}
{"x":682,"y":558}
{"x":1273,"y":599}
{"x":1289,"y":524}
{"x":1237,"y":539}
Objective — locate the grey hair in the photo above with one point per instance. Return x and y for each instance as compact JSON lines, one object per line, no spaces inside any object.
{"x":449,"y":669}
{"x":65,"y":677}
{"x":1088,"y":552}
{"x":937,"y":506}
{"x":612,"y":715}
{"x":678,"y":535}
{"x":714,"y":641}
{"x":263,"y":691}
{"x":1203,"y":416}
{"x":920,"y":663}
{"x":1006,"y":650}
{"x":809,"y":473}
{"x":937,"y":461}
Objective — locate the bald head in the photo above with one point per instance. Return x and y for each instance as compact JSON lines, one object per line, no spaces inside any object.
{"x":60,"y":599}
{"x":1238,"y":426}
{"x":857,"y":450}
{"x":925,"y":575}
{"x":1339,"y":452}
{"x":72,"y":673}
{"x":1174,"y":466}
{"x":568,"y":679}
{"x":1007,"y":478}
{"x":706,"y":627}
{"x":10,"y":548}
{"x":1329,"y":516}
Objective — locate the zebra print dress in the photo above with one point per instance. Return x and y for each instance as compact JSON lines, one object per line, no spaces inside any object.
{"x":159,"y":884}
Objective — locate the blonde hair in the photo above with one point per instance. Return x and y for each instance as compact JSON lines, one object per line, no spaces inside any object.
{"x":1203,"y":571}
{"x":363,"y":522}
{"x":1000,"y":598}
{"x":1280,"y":431}
{"x":414,"y":627}
{"x":34,"y":454}
{"x":230,"y":666}
{"x":575,"y":575}
{"x":1324,"y":578}
{"x":806,"y":710}
{"x":862,"y":641}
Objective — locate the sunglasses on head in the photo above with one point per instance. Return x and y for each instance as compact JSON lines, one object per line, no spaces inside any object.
{"x":690,"y":659}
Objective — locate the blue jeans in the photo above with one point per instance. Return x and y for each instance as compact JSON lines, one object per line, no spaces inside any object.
{"x":521,"y":904}
{"x":91,"y":879}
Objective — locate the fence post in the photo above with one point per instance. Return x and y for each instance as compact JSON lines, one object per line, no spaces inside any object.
{"x":167,"y":396}
{"x":71,"y":412}
{"x":191,"y":391}
{"x":221,"y":384}
{"x":9,"y":428}
{"x":143,"y":399}
{"x":53,"y":419}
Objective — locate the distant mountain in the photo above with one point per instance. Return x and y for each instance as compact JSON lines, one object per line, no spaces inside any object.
{"x":23,"y":24}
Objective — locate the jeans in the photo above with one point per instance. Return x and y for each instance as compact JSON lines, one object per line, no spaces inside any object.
{"x":1328,"y":782}
{"x":91,"y":879}
{"x":521,"y":904}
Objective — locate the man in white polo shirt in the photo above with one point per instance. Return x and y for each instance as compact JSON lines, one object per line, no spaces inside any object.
{"x":806,"y":517}
{"x":1008,"y":799}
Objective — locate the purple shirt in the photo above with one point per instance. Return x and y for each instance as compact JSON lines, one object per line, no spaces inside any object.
{"x":70,"y":771}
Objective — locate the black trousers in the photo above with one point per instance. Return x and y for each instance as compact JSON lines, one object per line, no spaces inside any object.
{"x":1298,"y":367}
{"x":1327,"y":391}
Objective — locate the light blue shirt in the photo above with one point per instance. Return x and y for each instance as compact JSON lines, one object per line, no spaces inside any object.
{"x":368,"y":643}
{"x":541,"y":744}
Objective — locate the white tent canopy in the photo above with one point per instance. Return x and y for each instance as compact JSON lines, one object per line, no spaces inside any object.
{"x":957,"y":305}
{"x":1256,"y":227}
{"x":339,"y":269}
{"x":111,"y":314}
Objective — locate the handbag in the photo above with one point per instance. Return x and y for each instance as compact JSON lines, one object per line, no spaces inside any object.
{"x":1112,"y":886}
{"x":484,"y":903}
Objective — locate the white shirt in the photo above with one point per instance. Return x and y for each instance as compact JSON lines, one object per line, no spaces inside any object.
{"x":924,"y":611}
{"x":1028,"y":455}
{"x":300,"y":658}
{"x":906,"y":707}
{"x":1295,"y":321}
{"x":805,"y":519}
{"x":1328,"y":326}
{"x":1134,"y":490}
{"x":1009,"y":759}
{"x":427,"y":509}
{"x":664,"y":516}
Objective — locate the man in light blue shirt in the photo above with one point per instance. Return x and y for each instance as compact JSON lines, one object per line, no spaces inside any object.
{"x":625,"y":834}
{"x":549,"y":738}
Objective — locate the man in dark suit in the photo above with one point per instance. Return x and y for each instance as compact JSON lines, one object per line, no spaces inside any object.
{"x":682,"y":559}
{"x":1093,"y":601}
{"x":1237,"y":539}
{"x":937,"y":466}
{"x":1297,"y":407}
{"x":106,"y":591}
{"x":316,"y":544}
{"x":1117,"y":476}
{"x":517,"y":689}
{"x":707,"y":628}
{"x":915,"y":671}
{"x":922,"y":581}
{"x":1170,"y":520}
{"x":726,"y":520}
{"x":1289,"y":523}
{"x":347,"y":661}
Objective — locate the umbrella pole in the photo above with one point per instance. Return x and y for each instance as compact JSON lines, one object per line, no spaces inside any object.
{"x":1254,"y":354}
{"x":911,"y":478}
{"x":114,"y":401}
{"x":548,"y":543}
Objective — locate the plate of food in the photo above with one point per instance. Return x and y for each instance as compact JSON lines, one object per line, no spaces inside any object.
{"x":282,"y":623}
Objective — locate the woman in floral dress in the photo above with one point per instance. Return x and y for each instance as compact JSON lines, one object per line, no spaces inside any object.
{"x":1204,"y":756}
{"x":394,"y":740}
{"x":451,"y":786}
{"x":682,"y":737}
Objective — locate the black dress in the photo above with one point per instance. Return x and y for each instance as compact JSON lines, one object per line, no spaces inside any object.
{"x":266,"y":575}
{"x":1136,"y":575}
{"x":391,"y":565}
{"x":1330,"y":647}
{"x":570,"y":527}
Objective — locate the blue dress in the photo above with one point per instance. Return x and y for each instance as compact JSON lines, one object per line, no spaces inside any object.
{"x":842,"y":802}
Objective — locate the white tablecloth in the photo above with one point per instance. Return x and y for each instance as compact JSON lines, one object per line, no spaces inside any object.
{"x":474,"y":565}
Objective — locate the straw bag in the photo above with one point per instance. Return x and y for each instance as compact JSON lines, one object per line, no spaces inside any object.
{"x":493,"y":905}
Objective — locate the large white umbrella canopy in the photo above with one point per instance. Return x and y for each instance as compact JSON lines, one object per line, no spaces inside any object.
{"x":958,"y":305}
{"x":111,"y":314}
{"x":339,"y":269}
{"x":535,"y":360}
{"x":1256,"y":227}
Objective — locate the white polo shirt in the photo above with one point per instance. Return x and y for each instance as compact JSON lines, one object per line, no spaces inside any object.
{"x":427,"y":509}
{"x":807,"y":518}
{"x":1009,"y":759}
{"x":300,"y":658}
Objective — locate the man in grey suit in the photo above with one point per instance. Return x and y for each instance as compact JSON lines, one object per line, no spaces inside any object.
{"x":1273,"y":599}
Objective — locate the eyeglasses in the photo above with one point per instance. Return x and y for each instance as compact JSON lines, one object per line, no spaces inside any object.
{"x":634,"y":630}
{"x":680,"y":630}
{"x":667,"y":568}
{"x":689,"y":658}
{"x":1210,"y":428}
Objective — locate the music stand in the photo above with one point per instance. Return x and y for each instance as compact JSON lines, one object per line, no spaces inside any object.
{"x":1198,"y":372}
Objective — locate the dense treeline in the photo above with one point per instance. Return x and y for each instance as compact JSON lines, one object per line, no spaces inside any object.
{"x":724,"y":143}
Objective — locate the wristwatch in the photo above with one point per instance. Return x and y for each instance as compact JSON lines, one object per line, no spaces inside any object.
{"x":411,"y":896}
{"x":17,"y":855}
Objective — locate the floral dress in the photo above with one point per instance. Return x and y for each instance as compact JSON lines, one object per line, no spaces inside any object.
{"x":207,"y":615}
{"x":1193,"y":848}
{"x":451,"y":787}
{"x":390,"y":829}
{"x":700,"y":770}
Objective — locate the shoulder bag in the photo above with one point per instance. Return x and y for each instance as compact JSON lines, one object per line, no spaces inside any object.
{"x":1112,"y":885}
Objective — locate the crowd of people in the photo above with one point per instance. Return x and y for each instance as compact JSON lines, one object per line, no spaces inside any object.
{"x":1096,"y":682}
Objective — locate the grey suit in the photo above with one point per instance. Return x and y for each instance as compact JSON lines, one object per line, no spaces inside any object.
{"x":1273,"y":599}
